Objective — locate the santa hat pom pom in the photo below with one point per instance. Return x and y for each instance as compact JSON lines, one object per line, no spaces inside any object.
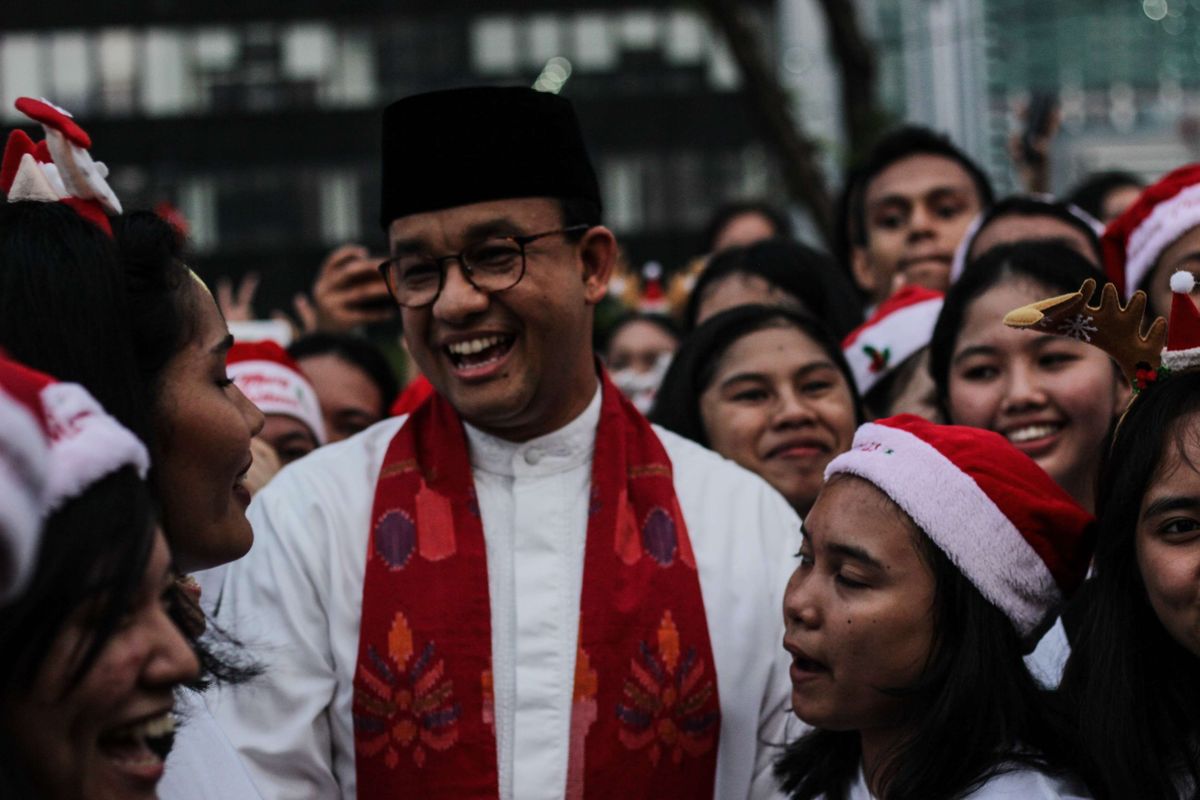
{"x":1182,"y":282}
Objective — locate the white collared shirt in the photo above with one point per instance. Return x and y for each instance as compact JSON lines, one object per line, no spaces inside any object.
{"x":296,"y":601}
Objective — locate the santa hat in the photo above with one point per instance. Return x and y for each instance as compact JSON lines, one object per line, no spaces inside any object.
{"x":85,"y":445}
{"x":273,"y":381}
{"x":901,"y":326}
{"x":1019,"y":538}
{"x":1162,"y":213}
{"x":58,"y":169}
{"x":24,"y":470}
{"x":1183,"y":330}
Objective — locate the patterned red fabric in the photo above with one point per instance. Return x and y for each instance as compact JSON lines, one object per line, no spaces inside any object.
{"x":646,"y":715}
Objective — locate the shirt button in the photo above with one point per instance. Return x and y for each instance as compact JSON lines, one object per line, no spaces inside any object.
{"x":533,"y":456}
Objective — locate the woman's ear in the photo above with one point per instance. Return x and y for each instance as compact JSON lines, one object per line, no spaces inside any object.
{"x":1122,"y":393}
{"x":598,"y":253}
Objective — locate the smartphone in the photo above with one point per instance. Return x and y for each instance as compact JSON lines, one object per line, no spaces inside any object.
{"x":1038,"y":119}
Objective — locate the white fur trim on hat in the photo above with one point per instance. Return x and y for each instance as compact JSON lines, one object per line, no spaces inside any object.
{"x":959,"y":262}
{"x":24,"y":468}
{"x":899,"y":334}
{"x":1168,"y":220}
{"x":960,"y":518}
{"x":86,"y":443}
{"x":276,"y":389}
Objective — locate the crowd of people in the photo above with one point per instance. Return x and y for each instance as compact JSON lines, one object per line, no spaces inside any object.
{"x":919,"y":518}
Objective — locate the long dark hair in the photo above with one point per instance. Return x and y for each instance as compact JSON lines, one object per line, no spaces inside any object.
{"x":1131,"y":688}
{"x":807,"y":274}
{"x":677,"y":404}
{"x":63,"y":306}
{"x":1050,"y":264}
{"x":959,"y":735}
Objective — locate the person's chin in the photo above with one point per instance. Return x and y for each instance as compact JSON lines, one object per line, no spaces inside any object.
{"x":224,"y":541}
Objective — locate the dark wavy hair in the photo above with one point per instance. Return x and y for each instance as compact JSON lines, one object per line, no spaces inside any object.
{"x":1130,"y":687}
{"x":63,"y":306}
{"x":1090,"y":193}
{"x":803,"y":272}
{"x":959,"y":735}
{"x":725,"y":214}
{"x":1025,"y":206}
{"x":677,"y":404}
{"x":1050,"y":264}
{"x":356,"y":351}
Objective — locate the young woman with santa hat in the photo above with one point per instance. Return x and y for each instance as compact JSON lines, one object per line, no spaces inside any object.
{"x":1130,"y":682}
{"x":92,"y":647}
{"x":933,"y":558}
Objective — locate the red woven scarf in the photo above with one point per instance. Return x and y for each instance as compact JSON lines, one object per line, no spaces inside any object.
{"x":645,"y":718}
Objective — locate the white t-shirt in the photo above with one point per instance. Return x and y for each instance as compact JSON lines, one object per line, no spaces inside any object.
{"x":1019,"y":784}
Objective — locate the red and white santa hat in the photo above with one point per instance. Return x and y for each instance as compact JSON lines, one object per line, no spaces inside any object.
{"x":1020,"y":539}
{"x":1183,"y":329}
{"x":901,"y":326}
{"x":55,"y":442}
{"x":58,"y":169}
{"x":273,"y":381}
{"x":1162,"y":213}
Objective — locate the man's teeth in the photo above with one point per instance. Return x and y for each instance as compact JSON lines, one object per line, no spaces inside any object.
{"x":1031,"y":432}
{"x":472,"y":346}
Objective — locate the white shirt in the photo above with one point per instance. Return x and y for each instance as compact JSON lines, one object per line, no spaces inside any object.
{"x":1019,"y":784}
{"x":1049,"y":658}
{"x":203,"y":764}
{"x":296,"y":601}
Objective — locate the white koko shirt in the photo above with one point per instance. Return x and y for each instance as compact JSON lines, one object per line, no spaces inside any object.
{"x":295,"y":600}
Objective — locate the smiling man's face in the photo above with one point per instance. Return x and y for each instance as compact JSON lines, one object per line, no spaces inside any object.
{"x":517,"y":363}
{"x":915,"y":212}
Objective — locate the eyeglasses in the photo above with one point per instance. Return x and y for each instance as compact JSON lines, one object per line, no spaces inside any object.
{"x":491,"y":265}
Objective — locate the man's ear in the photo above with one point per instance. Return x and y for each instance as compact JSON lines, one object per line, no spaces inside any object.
{"x":860,"y":268}
{"x":598,"y":254}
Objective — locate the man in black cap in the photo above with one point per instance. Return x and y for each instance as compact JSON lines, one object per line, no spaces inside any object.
{"x":521,"y":589}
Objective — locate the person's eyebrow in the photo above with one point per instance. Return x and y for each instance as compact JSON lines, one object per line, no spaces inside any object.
{"x":295,"y":436}
{"x":804,"y":371}
{"x":500,"y":226}
{"x":974,"y":350}
{"x":222,"y":347}
{"x":1165,"y":505}
{"x":938,"y":192}
{"x":889,"y":200}
{"x":857,"y":554}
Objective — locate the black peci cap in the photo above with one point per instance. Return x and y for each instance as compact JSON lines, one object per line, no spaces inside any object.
{"x":461,"y":146}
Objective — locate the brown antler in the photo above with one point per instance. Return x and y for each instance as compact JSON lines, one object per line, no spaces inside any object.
{"x":1114,"y":329}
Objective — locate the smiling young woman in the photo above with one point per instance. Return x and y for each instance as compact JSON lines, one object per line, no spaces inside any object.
{"x":933,"y":558}
{"x":1052,"y":397}
{"x":92,"y":648}
{"x":1130,"y":682}
{"x":768,"y":388}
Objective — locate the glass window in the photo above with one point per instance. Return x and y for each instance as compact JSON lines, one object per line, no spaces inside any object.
{"x":19,"y":74}
{"x":494,"y":45}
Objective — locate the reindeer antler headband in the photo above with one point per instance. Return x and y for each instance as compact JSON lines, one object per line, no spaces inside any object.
{"x":1117,"y":329}
{"x":58,"y":169}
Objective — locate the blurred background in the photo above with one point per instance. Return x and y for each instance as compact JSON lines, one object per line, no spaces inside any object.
{"x":257,"y":121}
